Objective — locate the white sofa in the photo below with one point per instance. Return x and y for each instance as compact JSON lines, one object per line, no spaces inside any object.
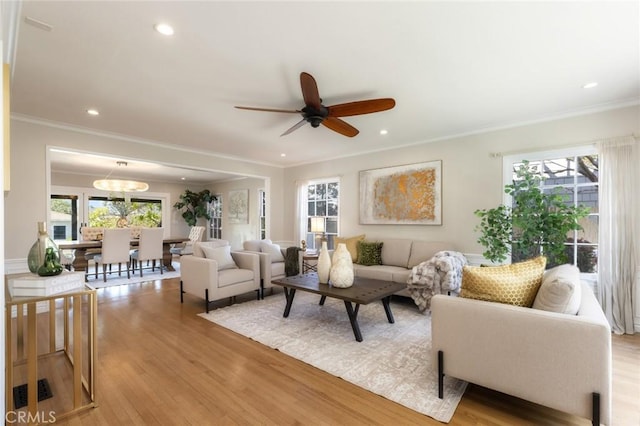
{"x":213,"y":274}
{"x":558,"y":360}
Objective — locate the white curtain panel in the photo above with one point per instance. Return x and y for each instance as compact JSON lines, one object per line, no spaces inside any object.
{"x":302,"y":192}
{"x":619,"y":160}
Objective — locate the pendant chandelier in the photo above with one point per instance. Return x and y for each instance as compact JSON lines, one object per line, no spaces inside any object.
{"x":118,"y":185}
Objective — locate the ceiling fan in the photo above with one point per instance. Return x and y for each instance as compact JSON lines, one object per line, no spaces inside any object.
{"x":315,"y":113}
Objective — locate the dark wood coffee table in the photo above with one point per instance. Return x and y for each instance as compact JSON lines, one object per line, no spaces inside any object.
{"x":362,"y":292}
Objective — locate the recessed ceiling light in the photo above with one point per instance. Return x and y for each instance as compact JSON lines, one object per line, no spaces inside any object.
{"x":164,"y":29}
{"x":283,"y":155}
{"x":590,"y":85}
{"x":183,"y":178}
{"x":384,"y":131}
{"x":92,"y":111}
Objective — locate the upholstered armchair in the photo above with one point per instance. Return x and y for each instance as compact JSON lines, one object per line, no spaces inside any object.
{"x":272,"y":259}
{"x":214,"y":272}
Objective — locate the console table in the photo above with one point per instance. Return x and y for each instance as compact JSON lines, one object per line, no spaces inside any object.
{"x":69,"y":357}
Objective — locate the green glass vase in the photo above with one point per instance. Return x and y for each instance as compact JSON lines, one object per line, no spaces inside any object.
{"x":44,"y":256}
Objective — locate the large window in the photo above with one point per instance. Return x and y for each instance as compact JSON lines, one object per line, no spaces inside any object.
{"x":574,"y":175}
{"x":72,"y":208}
{"x":116,"y":212}
{"x":322,"y":212}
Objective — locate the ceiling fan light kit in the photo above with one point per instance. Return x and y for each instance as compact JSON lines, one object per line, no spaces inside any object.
{"x":316,"y":114}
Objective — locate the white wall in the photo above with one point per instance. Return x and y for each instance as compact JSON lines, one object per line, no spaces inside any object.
{"x":236,"y":233}
{"x":26,"y":203}
{"x":471,"y":173}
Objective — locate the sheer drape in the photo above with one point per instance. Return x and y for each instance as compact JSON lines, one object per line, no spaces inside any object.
{"x":302,"y":192}
{"x":619,"y":162}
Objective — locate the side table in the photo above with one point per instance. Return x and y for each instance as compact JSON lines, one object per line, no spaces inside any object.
{"x":309,"y":262}
{"x":71,"y":321}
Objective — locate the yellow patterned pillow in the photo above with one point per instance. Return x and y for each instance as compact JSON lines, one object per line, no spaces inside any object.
{"x":351,"y":243}
{"x":515,"y":284}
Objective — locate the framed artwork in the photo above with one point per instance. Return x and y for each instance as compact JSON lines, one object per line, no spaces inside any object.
{"x":402,"y":195}
{"x":239,"y":206}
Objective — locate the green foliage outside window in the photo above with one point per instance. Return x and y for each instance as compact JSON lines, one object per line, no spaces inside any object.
{"x":538,"y":222}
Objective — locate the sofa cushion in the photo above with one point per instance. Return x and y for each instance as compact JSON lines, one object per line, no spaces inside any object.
{"x":376,"y":272}
{"x":273,"y":250}
{"x":197,"y":247}
{"x":560,"y":290}
{"x":351,"y":243}
{"x":515,"y":284}
{"x":421,"y":251}
{"x":395,"y":252}
{"x":251,"y":245}
{"x":369,"y":253}
{"x":222,"y":255}
{"x":229,"y":277}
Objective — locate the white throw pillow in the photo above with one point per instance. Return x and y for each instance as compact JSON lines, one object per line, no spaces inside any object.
{"x":222,"y":255}
{"x":273,"y":250}
{"x":560,"y":290}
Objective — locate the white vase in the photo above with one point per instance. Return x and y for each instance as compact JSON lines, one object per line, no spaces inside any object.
{"x":341,"y":267}
{"x":324,"y":264}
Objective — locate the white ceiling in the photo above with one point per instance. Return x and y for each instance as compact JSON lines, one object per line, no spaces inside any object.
{"x":453,"y":68}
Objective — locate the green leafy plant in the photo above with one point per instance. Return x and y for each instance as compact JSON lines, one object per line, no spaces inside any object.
{"x":537,"y":223}
{"x":195,"y":205}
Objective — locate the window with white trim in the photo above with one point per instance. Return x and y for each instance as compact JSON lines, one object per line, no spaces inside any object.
{"x":323,"y":209}
{"x":215,"y":212}
{"x":572,"y":173}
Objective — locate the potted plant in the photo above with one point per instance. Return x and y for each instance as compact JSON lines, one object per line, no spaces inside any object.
{"x":195,"y":205}
{"x":537,"y":222}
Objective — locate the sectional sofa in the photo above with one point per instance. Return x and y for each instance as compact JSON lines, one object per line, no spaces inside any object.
{"x":551,"y":354}
{"x":399,"y":256}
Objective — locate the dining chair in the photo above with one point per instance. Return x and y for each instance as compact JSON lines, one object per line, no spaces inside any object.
{"x":115,"y":249}
{"x":149,"y":248}
{"x":195,"y":235}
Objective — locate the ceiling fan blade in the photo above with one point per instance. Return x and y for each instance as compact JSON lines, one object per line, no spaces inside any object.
{"x":269,"y":109}
{"x":295,"y":126}
{"x":310,"y":91}
{"x":340,"y":126}
{"x":361,"y":107}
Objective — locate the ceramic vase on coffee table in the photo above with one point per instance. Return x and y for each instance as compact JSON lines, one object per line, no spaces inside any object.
{"x":341,"y":274}
{"x":324,"y":264}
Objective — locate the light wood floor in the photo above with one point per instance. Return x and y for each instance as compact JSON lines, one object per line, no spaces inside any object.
{"x":160,"y":364}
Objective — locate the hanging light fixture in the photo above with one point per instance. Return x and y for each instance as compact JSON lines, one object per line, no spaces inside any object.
{"x":117,"y":185}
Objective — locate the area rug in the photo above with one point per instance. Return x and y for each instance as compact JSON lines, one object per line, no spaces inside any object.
{"x":147,"y":275}
{"x":393,"y":360}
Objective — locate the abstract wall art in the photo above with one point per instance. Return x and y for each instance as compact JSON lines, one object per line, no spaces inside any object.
{"x":402,"y":195}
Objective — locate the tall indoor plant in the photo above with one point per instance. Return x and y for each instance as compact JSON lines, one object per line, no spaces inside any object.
{"x":537,"y":222}
{"x":195,"y":205}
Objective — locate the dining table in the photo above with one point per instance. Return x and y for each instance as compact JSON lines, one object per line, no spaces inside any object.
{"x":80,"y":248}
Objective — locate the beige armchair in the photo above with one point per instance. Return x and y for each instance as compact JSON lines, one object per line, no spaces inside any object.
{"x":214,"y":272}
{"x":272,"y":259}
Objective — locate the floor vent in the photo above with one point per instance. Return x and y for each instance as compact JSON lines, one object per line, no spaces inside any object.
{"x":20,"y":394}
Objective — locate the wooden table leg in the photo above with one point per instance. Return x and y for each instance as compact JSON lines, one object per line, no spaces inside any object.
{"x":167,"y":257}
{"x":289,"y":294}
{"x":79,"y":261}
{"x":387,"y":309}
{"x":353,"y":318}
